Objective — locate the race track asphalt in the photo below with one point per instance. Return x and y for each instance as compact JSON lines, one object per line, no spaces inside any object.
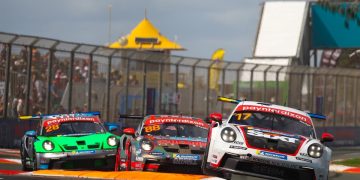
{"x":11,"y":169}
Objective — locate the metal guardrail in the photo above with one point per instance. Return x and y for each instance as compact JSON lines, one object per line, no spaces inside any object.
{"x":48,"y":76}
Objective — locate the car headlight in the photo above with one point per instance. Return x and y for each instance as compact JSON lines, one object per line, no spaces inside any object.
{"x":111,"y":141}
{"x":228,"y":135}
{"x":147,"y":145}
{"x":315,"y":150}
{"x":48,"y":145}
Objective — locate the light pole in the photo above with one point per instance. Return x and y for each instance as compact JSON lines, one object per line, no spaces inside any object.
{"x":109,"y":38}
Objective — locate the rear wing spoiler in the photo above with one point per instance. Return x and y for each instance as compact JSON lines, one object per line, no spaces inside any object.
{"x":317,"y":116}
{"x":39,"y":117}
{"x":126,"y":116}
{"x":229,"y":100}
{"x":237,"y":101}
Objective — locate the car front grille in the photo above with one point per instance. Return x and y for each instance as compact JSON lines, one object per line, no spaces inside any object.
{"x":94,"y":146}
{"x":69,"y":148}
{"x":235,"y":163}
{"x":197,"y":151}
{"x":171,"y":150}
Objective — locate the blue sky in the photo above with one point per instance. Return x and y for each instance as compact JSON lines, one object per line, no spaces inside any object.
{"x":201,"y":26}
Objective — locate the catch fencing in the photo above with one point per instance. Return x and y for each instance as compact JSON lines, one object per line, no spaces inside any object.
{"x":41,"y":75}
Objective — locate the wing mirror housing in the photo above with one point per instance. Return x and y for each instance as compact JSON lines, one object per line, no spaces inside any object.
{"x":327,"y":137}
{"x":112,"y":128}
{"x":129,"y":131}
{"x":30,"y":133}
{"x":215,"y":117}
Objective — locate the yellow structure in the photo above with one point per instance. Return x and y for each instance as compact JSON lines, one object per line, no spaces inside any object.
{"x":215,"y":69}
{"x":146,"y":36}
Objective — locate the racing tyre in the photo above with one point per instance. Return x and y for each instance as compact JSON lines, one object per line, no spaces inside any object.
{"x":117,"y":160}
{"x":205,"y":167}
{"x":23,"y":155}
{"x":128,"y":157}
{"x":34,"y":164}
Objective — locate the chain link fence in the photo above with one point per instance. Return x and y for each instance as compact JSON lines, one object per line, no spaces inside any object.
{"x":40,"y":75}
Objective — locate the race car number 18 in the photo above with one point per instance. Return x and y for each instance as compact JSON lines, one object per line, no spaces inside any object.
{"x":152,"y":128}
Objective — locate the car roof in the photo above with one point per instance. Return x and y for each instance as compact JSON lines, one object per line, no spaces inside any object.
{"x":278,"y":109}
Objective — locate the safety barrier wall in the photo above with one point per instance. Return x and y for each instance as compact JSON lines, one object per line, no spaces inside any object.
{"x":41,"y":75}
{"x":12,"y":131}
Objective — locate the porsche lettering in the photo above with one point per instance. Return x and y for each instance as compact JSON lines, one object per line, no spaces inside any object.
{"x":271,"y":136}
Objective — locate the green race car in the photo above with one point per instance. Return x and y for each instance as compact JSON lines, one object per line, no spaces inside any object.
{"x":69,"y":141}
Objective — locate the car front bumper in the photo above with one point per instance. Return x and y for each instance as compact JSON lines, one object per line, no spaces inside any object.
{"x":150,"y":162}
{"x":47,"y":160}
{"x":265,"y":168}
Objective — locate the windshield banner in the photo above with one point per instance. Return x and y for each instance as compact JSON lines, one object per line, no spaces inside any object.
{"x":175,"y":120}
{"x":67,"y":119}
{"x":277,"y":111}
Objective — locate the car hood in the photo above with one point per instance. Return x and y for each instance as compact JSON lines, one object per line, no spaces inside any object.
{"x":83,"y":142}
{"x":264,"y":139}
{"x":179,"y":145}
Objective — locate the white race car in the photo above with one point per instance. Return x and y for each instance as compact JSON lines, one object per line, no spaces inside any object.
{"x":268,"y":141}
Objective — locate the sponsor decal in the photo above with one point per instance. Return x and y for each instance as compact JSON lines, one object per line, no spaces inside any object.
{"x":304,"y":159}
{"x":107,"y":150}
{"x":67,"y":119}
{"x":304,"y":154}
{"x":192,"y":143}
{"x":186,"y":156}
{"x":139,"y":158}
{"x":271,"y":154}
{"x":271,"y":136}
{"x":156,"y":153}
{"x":237,"y":147}
{"x":86,"y":151}
{"x":238,"y":142}
{"x":300,"y":117}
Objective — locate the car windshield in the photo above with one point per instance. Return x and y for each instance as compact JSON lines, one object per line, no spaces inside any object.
{"x":72,"y":128}
{"x":175,"y":130}
{"x":272,"y":121}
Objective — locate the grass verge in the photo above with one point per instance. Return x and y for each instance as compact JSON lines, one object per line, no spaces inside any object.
{"x":355,"y":162}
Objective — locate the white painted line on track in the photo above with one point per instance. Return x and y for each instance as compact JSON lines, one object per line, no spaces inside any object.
{"x":10,"y":150}
{"x":212,"y":178}
{"x":26,"y":174}
{"x":338,"y":168}
{"x":18,"y":161}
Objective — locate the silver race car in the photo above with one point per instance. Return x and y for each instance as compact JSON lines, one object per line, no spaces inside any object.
{"x":267,"y":141}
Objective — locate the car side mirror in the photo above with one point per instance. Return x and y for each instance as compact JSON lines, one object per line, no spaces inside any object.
{"x":217,"y":117}
{"x":112,"y":128}
{"x":327,"y":137}
{"x":30,"y":133}
{"x":129,"y":131}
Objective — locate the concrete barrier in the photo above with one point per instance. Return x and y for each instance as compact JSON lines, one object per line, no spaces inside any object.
{"x":12,"y":129}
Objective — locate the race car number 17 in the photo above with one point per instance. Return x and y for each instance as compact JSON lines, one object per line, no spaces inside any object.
{"x":242,"y":116}
{"x":152,"y":128}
